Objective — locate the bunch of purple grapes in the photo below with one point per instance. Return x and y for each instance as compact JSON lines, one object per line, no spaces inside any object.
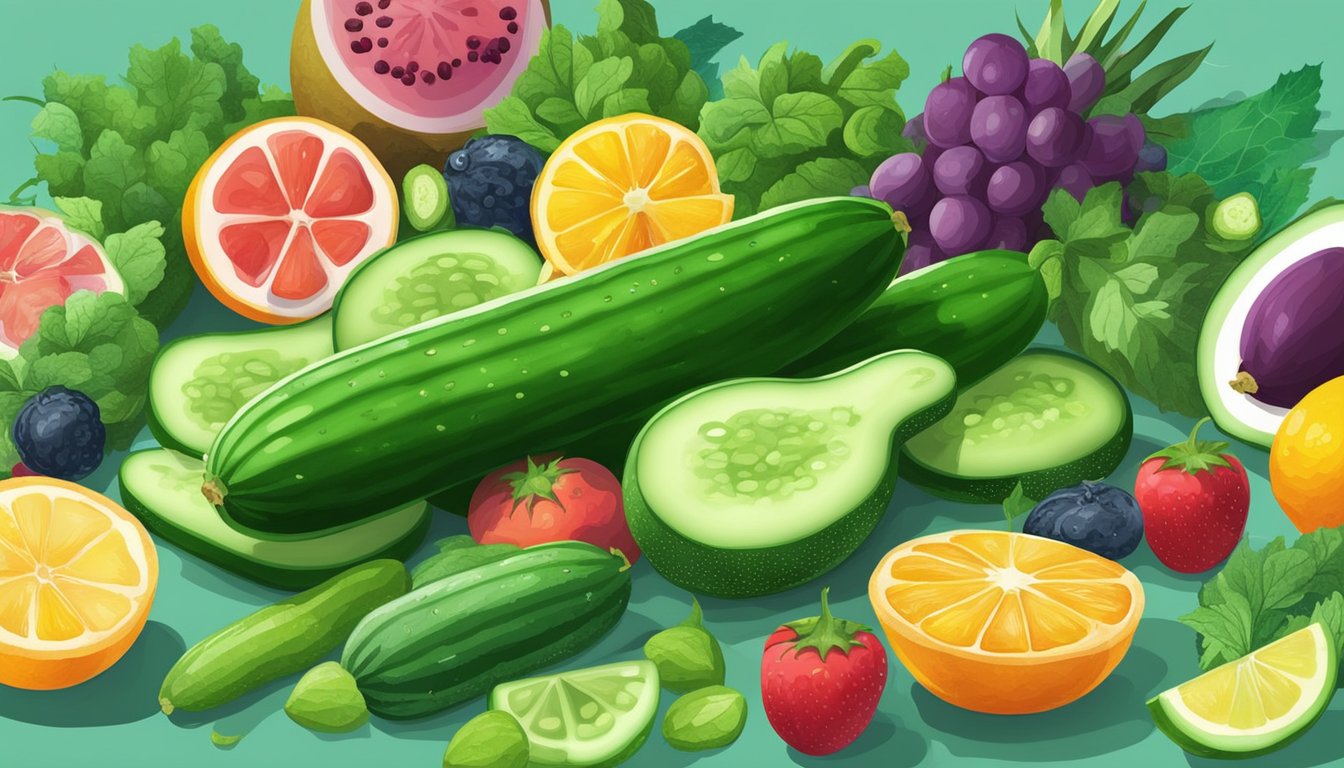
{"x":996,"y":141}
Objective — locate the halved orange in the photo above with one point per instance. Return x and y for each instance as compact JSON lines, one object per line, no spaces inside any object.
{"x":1006,"y":623}
{"x":77,"y":578}
{"x":623,"y":185}
{"x":282,"y":213}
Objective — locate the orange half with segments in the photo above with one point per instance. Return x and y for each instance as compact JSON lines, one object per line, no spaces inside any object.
{"x":1005,"y":623}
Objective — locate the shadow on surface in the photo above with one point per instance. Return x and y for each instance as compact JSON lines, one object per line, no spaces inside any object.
{"x":125,"y":693}
{"x":884,"y":743}
{"x":1318,"y":746}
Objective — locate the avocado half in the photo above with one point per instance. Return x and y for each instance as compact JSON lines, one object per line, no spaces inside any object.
{"x":1275,"y":329}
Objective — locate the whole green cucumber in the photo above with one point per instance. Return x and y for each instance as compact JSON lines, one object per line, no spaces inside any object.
{"x":414,"y":413}
{"x":976,"y":311}
{"x":281,"y":639}
{"x":454,"y":639}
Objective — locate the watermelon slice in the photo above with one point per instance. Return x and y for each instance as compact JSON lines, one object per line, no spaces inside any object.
{"x":42,"y":262}
{"x":282,"y":213}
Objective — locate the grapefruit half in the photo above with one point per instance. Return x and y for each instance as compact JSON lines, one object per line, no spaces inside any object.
{"x":282,"y":213}
{"x":42,"y":262}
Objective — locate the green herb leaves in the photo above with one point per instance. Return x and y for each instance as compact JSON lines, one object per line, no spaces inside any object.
{"x":791,"y":129}
{"x":626,"y":67}
{"x":1260,"y":596}
{"x":1133,"y":300}
{"x":1017,"y":504}
{"x":1257,"y":145}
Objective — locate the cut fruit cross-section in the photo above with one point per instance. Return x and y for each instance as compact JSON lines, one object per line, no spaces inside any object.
{"x":77,"y":577}
{"x":1005,"y":623}
{"x":623,"y":185}
{"x":598,"y":716}
{"x":281,"y":214}
{"x":1256,"y":704}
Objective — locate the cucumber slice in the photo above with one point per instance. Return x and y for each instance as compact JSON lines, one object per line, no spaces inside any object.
{"x":1047,"y":419}
{"x":427,"y":276}
{"x":755,"y":486}
{"x":198,"y":382}
{"x":1236,"y":218}
{"x":424,"y":194}
{"x":1256,"y":704}
{"x":598,"y":716}
{"x":163,"y":489}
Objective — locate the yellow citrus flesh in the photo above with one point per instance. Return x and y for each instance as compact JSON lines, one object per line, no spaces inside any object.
{"x":1005,"y":622}
{"x":1306,"y":460}
{"x":77,"y":577}
{"x":1262,"y":687}
{"x":623,"y":185}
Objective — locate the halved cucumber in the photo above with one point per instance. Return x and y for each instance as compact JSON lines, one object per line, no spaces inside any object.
{"x":163,"y":489}
{"x":428,"y":276}
{"x":1047,"y":419}
{"x":1256,"y":704}
{"x":754,"y":486}
{"x":586,"y":718}
{"x":198,"y":382}
{"x":424,"y":194}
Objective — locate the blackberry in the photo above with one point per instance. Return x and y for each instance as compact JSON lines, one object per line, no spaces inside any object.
{"x":59,"y":433}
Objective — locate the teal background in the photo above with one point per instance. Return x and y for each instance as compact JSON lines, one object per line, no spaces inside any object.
{"x":114,"y":720}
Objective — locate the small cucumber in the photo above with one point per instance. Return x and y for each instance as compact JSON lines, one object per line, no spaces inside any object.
{"x":281,"y":639}
{"x":425,"y":198}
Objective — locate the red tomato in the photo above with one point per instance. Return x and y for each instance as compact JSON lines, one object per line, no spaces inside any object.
{"x":549,"y":498}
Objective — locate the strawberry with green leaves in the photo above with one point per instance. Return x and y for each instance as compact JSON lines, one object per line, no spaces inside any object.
{"x":1195,"y":499}
{"x":821,"y":679}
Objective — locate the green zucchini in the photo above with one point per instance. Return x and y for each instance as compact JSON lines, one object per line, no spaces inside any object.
{"x":1047,"y":420}
{"x":445,"y":401}
{"x":976,"y":311}
{"x":281,"y":639}
{"x":429,"y":276}
{"x":163,"y":489}
{"x":198,"y":382}
{"x":454,"y":639}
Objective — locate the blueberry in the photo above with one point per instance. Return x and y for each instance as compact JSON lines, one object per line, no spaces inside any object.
{"x":59,"y":433}
{"x":1094,"y":516}
{"x":490,"y":184}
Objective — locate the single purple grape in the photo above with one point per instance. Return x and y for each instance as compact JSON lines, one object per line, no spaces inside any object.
{"x":921,"y":251}
{"x":901,"y":181}
{"x":1153,"y":157}
{"x":1046,"y":86}
{"x":1008,"y":233}
{"x":1086,"y":81}
{"x":1075,"y":180}
{"x":961,"y":171}
{"x":1134,"y":129}
{"x":995,"y":64}
{"x":947,"y":112}
{"x":959,"y":224}
{"x":1015,"y":188}
{"x":1112,"y":148}
{"x":914,"y":132}
{"x":1055,"y":137}
{"x":999,"y":128}
{"x":861,"y":191}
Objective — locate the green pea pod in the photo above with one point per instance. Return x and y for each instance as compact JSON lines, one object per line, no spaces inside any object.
{"x":493,"y":739}
{"x":687,"y":656}
{"x":709,"y":718}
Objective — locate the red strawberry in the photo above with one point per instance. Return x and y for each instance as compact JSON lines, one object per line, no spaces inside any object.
{"x":820,"y":681}
{"x":1195,"y":499}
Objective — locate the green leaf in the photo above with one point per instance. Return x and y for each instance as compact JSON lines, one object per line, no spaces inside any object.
{"x":799,"y":122}
{"x":874,"y":131}
{"x":176,"y":86}
{"x":113,"y":167}
{"x":82,"y":213}
{"x":687,"y":102}
{"x":636,"y":19}
{"x":100,"y":107}
{"x":138,"y":254}
{"x":1120,"y":71}
{"x":736,"y":165}
{"x":63,"y":172}
{"x":839,"y":70}
{"x":1150,"y":87}
{"x":170,"y":165}
{"x":875,"y":84}
{"x":773,"y":74}
{"x":1110,"y":51}
{"x":1017,"y":504}
{"x":512,"y":116}
{"x":625,"y":102}
{"x":59,"y":124}
{"x":1053,"y":39}
{"x":67,"y":369}
{"x":1094,"y":31}
{"x":240,"y":85}
{"x":602,"y":80}
{"x":704,"y":40}
{"x":823,"y":177}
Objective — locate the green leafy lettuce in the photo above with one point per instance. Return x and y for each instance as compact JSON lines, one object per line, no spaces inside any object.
{"x":1258,"y":145}
{"x":1133,"y":299}
{"x":627,"y":66}
{"x":1261,"y":595}
{"x":115,"y":155}
{"x":790,"y":129}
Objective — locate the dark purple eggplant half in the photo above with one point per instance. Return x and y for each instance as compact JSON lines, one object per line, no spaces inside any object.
{"x":1293,"y":339}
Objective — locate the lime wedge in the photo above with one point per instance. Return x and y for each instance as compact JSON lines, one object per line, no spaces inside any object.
{"x":1255,"y":704}
{"x":588,"y":718}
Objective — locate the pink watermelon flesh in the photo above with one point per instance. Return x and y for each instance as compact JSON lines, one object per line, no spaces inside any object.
{"x":433,"y":58}
{"x":41,"y":264}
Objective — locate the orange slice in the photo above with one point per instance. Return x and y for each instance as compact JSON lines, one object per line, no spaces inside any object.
{"x":77,"y":577}
{"x":282,"y":213}
{"x":1005,"y":623}
{"x":623,"y":185}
